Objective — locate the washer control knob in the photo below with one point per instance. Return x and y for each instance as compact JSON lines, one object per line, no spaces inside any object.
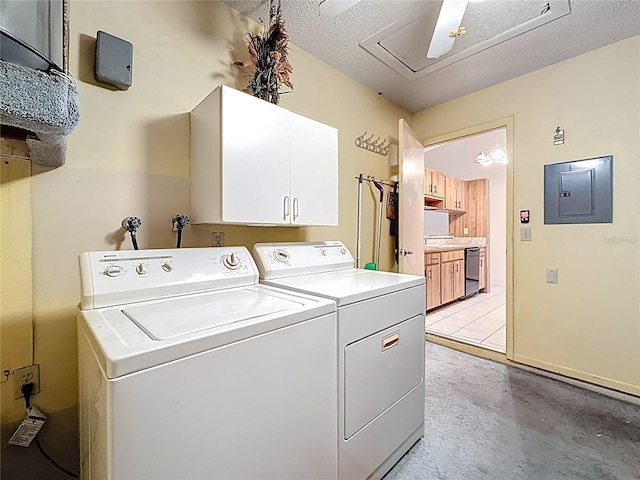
{"x":343,"y":251}
{"x":281,"y":256}
{"x":113,"y":270}
{"x":141,"y":269}
{"x":167,"y":267}
{"x":231,"y":261}
{"x":323,"y":252}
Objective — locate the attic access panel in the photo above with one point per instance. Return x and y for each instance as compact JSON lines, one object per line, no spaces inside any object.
{"x":579,"y":192}
{"x":403,"y":45}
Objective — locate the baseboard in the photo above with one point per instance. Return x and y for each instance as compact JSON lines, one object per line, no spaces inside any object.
{"x":617,"y":390}
{"x":604,"y":386}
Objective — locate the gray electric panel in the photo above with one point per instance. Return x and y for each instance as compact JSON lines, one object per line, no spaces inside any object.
{"x":114,"y":61}
{"x":579,"y":192}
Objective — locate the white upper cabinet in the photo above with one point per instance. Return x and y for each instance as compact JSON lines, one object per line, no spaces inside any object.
{"x":314,"y":172}
{"x":253,"y":162}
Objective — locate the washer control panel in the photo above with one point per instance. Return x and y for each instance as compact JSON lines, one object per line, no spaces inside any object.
{"x":277,"y":260}
{"x":115,"y":277}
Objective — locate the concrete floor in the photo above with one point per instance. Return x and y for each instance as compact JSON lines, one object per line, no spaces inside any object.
{"x":484,"y":421}
{"x":487,"y":421}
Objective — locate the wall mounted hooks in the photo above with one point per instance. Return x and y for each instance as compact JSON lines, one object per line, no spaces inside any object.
{"x":379,"y":146}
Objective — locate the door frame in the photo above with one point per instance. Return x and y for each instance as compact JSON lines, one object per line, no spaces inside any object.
{"x":507,"y":123}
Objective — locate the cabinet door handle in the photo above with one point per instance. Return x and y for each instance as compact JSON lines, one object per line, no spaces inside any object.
{"x":435,"y":189}
{"x":285,"y":207}
{"x":296,"y":209}
{"x":451,"y":268}
{"x":456,"y":267}
{"x":480,"y":262}
{"x":429,"y":276}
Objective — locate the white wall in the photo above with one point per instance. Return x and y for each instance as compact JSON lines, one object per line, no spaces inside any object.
{"x":436,"y":223}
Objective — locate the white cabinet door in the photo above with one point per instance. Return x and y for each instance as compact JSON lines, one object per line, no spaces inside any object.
{"x":254,"y":163}
{"x":314,"y":172}
{"x":255,"y":160}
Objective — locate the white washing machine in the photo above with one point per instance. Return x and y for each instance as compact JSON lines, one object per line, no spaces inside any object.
{"x":189,"y":369}
{"x":380,"y":349}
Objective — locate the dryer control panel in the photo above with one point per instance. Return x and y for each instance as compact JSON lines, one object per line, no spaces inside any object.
{"x":278,"y":260}
{"x":111,"y":278}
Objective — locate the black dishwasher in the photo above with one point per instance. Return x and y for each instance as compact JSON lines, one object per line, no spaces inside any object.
{"x":471,"y":271}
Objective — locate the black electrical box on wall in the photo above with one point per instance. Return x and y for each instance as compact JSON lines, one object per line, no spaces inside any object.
{"x":579,"y":192}
{"x":114,"y":61}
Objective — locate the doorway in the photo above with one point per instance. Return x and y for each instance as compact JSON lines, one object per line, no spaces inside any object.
{"x":478,"y":319}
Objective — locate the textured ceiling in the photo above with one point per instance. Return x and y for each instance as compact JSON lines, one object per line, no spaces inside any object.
{"x":336,"y":41}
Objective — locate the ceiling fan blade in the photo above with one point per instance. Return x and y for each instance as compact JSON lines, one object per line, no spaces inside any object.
{"x":333,"y":8}
{"x":449,"y":21}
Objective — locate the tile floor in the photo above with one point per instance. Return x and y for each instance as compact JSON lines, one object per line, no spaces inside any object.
{"x":479,"y":320}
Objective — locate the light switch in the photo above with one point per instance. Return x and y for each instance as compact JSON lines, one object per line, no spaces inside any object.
{"x":525,"y":234}
{"x":552,"y":275}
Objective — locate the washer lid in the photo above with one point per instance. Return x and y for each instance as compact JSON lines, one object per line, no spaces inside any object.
{"x":135,"y":337}
{"x":349,"y":286}
{"x":193,"y":314}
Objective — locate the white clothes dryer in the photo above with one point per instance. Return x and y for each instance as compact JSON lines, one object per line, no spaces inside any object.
{"x":380,"y":348}
{"x":190,"y":369}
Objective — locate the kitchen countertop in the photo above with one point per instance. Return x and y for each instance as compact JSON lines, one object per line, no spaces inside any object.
{"x":444,"y":248}
{"x":449,"y":244}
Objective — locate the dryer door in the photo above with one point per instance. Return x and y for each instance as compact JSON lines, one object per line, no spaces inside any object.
{"x":379,"y":370}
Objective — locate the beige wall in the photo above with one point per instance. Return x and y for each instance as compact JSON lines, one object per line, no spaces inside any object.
{"x":130,"y":156}
{"x":588,"y":325}
{"x":16,"y":325}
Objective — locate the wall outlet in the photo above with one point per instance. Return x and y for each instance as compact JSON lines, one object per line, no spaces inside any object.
{"x":552,"y":275}
{"x":465,"y":231}
{"x":217,"y":239}
{"x":22,"y":376}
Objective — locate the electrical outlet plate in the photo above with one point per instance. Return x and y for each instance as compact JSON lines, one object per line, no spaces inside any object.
{"x":22,"y":376}
{"x":217,"y":239}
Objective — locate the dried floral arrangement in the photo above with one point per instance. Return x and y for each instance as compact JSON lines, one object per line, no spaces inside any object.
{"x":268,"y":63}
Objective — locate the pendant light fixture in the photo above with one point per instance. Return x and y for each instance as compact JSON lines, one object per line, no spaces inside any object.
{"x":489,"y":156}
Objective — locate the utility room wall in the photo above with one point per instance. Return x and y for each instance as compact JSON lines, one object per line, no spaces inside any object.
{"x":130,"y":156}
{"x":588,"y":325}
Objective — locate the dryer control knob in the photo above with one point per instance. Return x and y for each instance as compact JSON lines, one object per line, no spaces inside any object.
{"x":323,"y":252}
{"x":113,"y":270}
{"x":343,"y":251}
{"x":167,"y":267}
{"x":281,"y":256}
{"x":231,"y":261}
{"x":141,"y":269}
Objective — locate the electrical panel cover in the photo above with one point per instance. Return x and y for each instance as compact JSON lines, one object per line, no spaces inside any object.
{"x":579,"y":191}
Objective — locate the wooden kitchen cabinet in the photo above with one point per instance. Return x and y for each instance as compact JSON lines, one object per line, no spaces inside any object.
{"x":475,"y":221}
{"x":438,"y":184}
{"x":432,"y":274}
{"x":477,"y":212}
{"x":427,"y":181}
{"x":451,"y":275}
{"x":434,"y":183}
{"x":253,"y":162}
{"x":482,"y":283}
{"x":455,"y":194}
